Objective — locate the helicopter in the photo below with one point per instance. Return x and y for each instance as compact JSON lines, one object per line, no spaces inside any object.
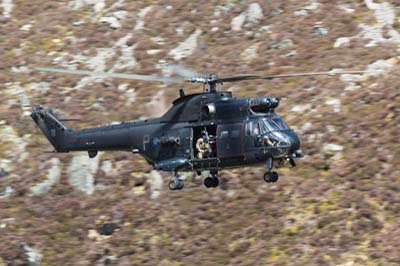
{"x":206,"y":131}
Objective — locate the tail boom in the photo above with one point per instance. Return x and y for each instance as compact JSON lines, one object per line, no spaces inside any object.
{"x":63,"y":139}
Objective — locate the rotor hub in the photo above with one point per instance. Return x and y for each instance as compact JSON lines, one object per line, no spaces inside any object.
{"x":212,"y":78}
{"x":209,"y":82}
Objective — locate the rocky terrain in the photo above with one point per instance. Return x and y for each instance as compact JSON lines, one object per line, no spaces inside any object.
{"x":339,"y":206}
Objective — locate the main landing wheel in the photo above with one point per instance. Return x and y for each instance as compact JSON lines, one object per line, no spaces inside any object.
{"x":176,"y":184}
{"x":271,"y":177}
{"x":211,"y":181}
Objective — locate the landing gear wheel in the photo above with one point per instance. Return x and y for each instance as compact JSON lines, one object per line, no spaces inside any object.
{"x":175,"y":184}
{"x":216,"y":181}
{"x":271,"y":177}
{"x":267,"y":177}
{"x":211,"y":181}
{"x":180,"y":184}
{"x":275,"y":176}
{"x":208,"y":182}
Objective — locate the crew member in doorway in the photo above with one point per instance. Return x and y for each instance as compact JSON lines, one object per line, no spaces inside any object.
{"x":203,"y":146}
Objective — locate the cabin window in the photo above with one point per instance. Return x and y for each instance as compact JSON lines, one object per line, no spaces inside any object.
{"x":224,"y":134}
{"x":235,"y":133}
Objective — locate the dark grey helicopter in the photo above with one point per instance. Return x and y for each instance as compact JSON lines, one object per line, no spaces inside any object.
{"x":206,"y":131}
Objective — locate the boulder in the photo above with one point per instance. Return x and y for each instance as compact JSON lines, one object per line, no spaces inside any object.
{"x":32,"y":255}
{"x":81,"y":171}
{"x":3,"y":172}
{"x":250,"y":16}
{"x":108,"y":229}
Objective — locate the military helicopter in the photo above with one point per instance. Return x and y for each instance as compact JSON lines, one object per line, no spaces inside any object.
{"x":206,"y":131}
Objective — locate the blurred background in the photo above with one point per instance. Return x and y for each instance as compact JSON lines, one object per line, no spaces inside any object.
{"x":339,"y":206}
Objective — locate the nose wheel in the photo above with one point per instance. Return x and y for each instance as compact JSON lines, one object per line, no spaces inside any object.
{"x":270,"y":176}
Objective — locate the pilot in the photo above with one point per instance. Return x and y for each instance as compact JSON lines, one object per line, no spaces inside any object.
{"x":268,"y":141}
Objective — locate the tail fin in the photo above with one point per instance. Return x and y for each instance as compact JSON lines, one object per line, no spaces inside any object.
{"x":54,"y":130}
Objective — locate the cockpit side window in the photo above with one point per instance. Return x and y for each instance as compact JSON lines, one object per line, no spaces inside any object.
{"x":252,"y":128}
{"x":263,"y":127}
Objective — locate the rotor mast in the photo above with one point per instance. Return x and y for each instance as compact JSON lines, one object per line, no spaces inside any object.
{"x":212,"y":86}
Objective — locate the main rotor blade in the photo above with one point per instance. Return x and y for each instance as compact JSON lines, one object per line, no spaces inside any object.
{"x":183,"y":71}
{"x":111,"y":74}
{"x":251,"y":77}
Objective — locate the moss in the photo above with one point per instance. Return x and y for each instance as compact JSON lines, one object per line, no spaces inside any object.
{"x":167,"y":262}
{"x":8,"y":56}
{"x":240,"y":245}
{"x":290,"y":84}
{"x":91,"y":99}
{"x":326,"y":206}
{"x":48,"y":253}
{"x":47,"y":44}
{"x":276,"y":254}
{"x":13,"y":211}
{"x":290,"y":231}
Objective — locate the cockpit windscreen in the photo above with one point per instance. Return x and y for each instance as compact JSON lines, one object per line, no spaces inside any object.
{"x":272,"y":123}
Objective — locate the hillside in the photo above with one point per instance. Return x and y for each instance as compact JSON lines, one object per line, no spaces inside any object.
{"x":339,"y":206}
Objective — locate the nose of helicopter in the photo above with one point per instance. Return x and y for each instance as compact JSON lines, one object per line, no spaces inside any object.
{"x":294,"y":141}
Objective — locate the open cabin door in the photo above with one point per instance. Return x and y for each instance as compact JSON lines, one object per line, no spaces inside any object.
{"x":230,"y":140}
{"x":204,"y":155}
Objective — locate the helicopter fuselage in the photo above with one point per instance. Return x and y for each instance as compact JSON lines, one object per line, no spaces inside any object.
{"x":204,"y":131}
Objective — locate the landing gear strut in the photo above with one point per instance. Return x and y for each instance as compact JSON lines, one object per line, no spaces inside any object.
{"x":212,"y":180}
{"x":270,"y":176}
{"x":176,"y":183}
